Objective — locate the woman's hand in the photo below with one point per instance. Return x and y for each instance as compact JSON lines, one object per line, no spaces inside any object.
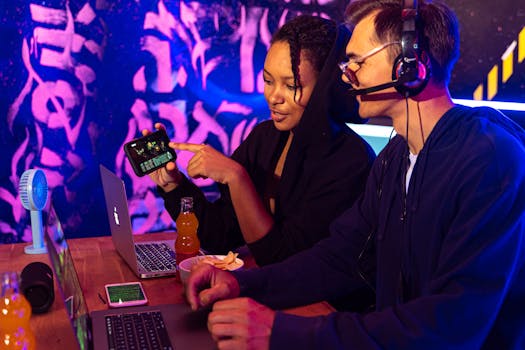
{"x":169,"y":176}
{"x":207,"y":162}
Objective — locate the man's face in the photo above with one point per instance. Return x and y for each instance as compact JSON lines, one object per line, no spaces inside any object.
{"x":371,"y":71}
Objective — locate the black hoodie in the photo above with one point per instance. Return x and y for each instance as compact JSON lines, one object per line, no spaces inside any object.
{"x":325,"y":172}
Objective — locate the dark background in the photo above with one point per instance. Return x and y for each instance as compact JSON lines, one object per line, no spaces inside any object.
{"x":120,"y":65}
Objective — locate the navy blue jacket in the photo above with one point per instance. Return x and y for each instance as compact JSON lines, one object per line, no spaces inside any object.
{"x":447,"y":262}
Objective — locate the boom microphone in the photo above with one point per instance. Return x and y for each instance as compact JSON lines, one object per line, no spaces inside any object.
{"x":396,"y":82}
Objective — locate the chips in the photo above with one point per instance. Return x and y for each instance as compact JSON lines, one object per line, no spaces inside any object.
{"x":228,"y":263}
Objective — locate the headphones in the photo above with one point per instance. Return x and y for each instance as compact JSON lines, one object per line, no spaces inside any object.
{"x":412,"y":67}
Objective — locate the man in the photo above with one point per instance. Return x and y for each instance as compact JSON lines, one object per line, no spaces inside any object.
{"x":439,"y":232}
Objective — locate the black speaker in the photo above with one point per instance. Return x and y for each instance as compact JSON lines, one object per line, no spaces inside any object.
{"x":36,"y":283}
{"x":413,"y":64}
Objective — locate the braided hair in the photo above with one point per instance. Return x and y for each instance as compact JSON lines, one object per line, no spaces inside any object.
{"x":311,"y":35}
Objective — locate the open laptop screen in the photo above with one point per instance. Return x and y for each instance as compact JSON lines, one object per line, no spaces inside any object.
{"x":67,"y":279}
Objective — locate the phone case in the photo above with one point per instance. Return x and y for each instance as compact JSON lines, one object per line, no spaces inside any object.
{"x":149,"y":153}
{"x":128,"y":294}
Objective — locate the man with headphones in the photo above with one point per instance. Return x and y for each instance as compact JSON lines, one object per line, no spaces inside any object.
{"x":439,"y":233}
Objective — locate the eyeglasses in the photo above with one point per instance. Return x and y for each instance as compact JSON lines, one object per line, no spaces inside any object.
{"x":352,"y":65}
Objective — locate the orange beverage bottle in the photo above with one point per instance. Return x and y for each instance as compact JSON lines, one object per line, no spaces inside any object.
{"x":187,"y":243}
{"x":15,"y":312}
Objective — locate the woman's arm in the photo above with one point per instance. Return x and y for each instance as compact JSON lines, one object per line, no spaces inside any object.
{"x":254,"y":220}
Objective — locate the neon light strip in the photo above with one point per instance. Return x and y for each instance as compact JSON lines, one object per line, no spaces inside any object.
{"x":505,"y":106}
{"x":371,"y":130}
{"x":384,"y":131}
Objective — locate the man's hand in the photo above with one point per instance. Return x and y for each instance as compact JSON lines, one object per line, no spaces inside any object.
{"x":208,"y":284}
{"x":241,"y":323}
{"x":234,"y":323}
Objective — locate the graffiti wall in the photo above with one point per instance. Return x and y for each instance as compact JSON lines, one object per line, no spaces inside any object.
{"x":79,"y":78}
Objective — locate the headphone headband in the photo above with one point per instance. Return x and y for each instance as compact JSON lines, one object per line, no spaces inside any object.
{"x":410,"y":65}
{"x":409,"y":39}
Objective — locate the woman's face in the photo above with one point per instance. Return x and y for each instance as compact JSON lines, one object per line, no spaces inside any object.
{"x":286,"y":103}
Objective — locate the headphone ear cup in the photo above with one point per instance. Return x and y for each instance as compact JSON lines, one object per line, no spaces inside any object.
{"x":397,"y":69}
{"x":414,"y":86}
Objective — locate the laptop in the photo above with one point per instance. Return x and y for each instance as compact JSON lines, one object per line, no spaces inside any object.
{"x":175,"y":326}
{"x":146,"y":259}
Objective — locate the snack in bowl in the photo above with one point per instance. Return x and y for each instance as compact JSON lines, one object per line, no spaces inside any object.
{"x":228,"y":262}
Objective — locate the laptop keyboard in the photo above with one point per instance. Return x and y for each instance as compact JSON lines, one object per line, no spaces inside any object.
{"x":155,"y":256}
{"x":141,"y":330}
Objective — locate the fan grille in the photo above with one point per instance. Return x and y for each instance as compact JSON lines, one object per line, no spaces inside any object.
{"x":33,"y":189}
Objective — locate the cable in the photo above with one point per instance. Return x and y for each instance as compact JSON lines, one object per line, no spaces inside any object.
{"x":420,"y":125}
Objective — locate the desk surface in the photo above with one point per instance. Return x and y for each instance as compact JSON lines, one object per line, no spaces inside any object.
{"x":97,"y":263}
{"x":52,"y":329}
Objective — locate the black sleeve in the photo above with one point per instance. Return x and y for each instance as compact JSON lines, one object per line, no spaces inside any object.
{"x":218,"y":230}
{"x":335,"y":184}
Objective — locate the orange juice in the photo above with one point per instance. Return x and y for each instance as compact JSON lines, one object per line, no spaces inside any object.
{"x":187,"y":243}
{"x":15,"y":312}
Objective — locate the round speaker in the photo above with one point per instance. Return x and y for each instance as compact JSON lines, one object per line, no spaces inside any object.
{"x":418,"y":76}
{"x":36,"y":283}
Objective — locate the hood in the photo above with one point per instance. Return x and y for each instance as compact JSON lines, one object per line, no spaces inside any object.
{"x":330,"y":106}
{"x":455,"y":126}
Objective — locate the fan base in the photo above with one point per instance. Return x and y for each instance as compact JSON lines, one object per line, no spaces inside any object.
{"x":30,"y":249}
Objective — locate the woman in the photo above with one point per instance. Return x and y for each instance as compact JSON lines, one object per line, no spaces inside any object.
{"x":294,"y":173}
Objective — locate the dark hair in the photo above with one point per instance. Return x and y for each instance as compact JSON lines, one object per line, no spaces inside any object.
{"x":439,"y":30}
{"x":315,"y":36}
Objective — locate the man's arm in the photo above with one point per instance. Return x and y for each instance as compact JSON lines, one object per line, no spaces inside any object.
{"x":480,"y":262}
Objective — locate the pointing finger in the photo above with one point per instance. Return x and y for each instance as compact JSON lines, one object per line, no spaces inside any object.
{"x":192,"y":147}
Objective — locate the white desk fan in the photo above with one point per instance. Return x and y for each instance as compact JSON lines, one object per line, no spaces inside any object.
{"x":33,"y":195}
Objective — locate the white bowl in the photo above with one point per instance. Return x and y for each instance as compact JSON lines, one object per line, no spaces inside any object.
{"x":186,"y":265}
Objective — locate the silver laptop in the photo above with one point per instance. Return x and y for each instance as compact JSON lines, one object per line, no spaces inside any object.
{"x":146,"y":259}
{"x":175,"y":326}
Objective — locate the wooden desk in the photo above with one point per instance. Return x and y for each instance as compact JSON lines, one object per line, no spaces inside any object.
{"x":98,"y":263}
{"x":52,"y":329}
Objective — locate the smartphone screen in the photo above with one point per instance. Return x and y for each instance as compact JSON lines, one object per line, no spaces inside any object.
{"x":149,"y":152}
{"x":125,"y":294}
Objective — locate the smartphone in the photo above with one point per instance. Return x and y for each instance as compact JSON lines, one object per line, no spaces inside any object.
{"x":125,"y":294}
{"x":149,"y":153}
